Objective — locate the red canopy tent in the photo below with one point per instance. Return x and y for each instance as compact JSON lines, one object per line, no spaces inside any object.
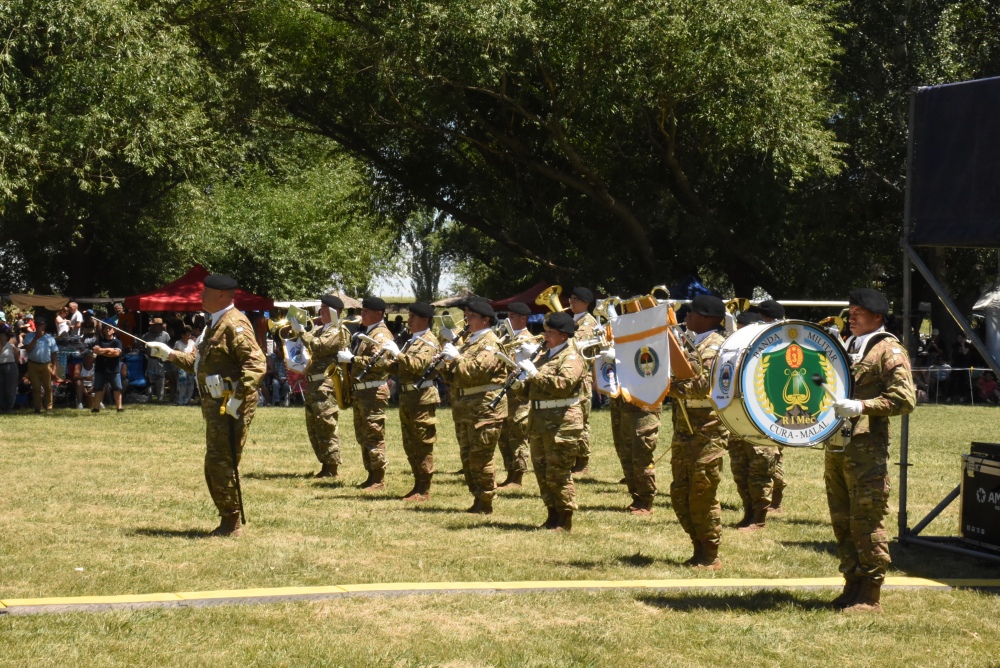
{"x":184,"y":294}
{"x":528,"y":297}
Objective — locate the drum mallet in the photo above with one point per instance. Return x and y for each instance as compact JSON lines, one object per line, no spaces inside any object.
{"x":818,"y":379}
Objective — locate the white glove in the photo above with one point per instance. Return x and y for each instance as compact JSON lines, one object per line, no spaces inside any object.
{"x":345,"y":356}
{"x":608,"y":355}
{"x":391,"y":348}
{"x":295,"y":325}
{"x":528,"y":368}
{"x":233,"y":407}
{"x":447,"y":334}
{"x":528,"y":348}
{"x":450,"y":352}
{"x":848,"y":407}
{"x":160,"y":351}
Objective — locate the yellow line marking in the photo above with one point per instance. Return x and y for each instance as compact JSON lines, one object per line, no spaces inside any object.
{"x":430,"y":587}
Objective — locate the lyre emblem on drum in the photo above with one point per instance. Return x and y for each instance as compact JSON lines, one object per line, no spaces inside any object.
{"x":646,"y":362}
{"x":782,"y":385}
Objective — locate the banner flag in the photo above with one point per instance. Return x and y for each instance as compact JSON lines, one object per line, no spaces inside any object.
{"x":642,"y":351}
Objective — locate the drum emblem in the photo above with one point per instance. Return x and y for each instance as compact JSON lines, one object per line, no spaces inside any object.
{"x":726,"y":377}
{"x":608,"y":372}
{"x":783,"y":388}
{"x":647,"y":363}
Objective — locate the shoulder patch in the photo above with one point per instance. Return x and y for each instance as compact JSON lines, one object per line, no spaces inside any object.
{"x":488,"y":347}
{"x":897,"y":351}
{"x":572,"y":357}
{"x":713,"y":347}
{"x":239,"y":329}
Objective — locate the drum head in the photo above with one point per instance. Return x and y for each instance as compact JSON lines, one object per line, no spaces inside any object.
{"x":775,"y":381}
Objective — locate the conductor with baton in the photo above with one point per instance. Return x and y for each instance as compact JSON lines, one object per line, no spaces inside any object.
{"x":229,"y":366}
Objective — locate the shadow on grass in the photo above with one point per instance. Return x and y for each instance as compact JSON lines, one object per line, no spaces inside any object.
{"x":822,"y":547}
{"x":798,"y":520}
{"x":359,"y":496}
{"x":171,"y":533}
{"x":267,"y":475}
{"x":435,"y":509}
{"x":926,"y":562}
{"x":749,"y":602}
{"x":492,"y":524}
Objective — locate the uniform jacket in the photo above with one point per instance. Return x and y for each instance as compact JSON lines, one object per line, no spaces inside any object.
{"x":365,"y":350}
{"x":323,"y":344}
{"x":228,"y":348}
{"x":412,"y":364}
{"x":703,"y":418}
{"x":884,"y":384}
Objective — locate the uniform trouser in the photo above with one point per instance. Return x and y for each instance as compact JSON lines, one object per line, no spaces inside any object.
{"x":635,"y":433}
{"x":753,"y":469}
{"x":220,"y":470}
{"x":554,"y":434}
{"x":514,"y":438}
{"x":40,"y":376}
{"x":857,"y":491}
{"x":322,"y":422}
{"x":779,"y":471}
{"x":419,"y":425}
{"x":478,"y":431}
{"x":586,"y":397}
{"x":696,"y":464}
{"x":369,"y":426}
{"x":8,"y":386}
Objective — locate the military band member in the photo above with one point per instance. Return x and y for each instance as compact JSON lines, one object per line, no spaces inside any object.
{"x":514,"y":436}
{"x":370,"y":394}
{"x":580,"y":302}
{"x":772,"y":311}
{"x":555,"y":419}
{"x":699,"y":440}
{"x":322,"y":411}
{"x":417,"y":403}
{"x":753,"y":465}
{"x":635,"y":431}
{"x":227,"y":351}
{"x":857,"y":474}
{"x":476,"y":375}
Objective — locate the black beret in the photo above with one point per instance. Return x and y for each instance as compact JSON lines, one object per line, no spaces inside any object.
{"x":584,"y":294}
{"x":220,"y":282}
{"x":422,"y":309}
{"x":561,"y":321}
{"x":520,"y":308}
{"x":333,"y":301}
{"x":748,"y":318}
{"x":771,"y":309}
{"x":709,"y":306}
{"x":871,"y":299}
{"x":480,"y":306}
{"x":373,"y":303}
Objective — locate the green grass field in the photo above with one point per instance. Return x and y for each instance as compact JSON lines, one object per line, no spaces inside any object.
{"x":116,"y":504}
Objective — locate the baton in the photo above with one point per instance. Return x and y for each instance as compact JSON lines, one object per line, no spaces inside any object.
{"x":136,"y":338}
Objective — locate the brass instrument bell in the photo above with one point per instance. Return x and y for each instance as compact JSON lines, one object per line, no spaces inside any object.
{"x":550,"y":297}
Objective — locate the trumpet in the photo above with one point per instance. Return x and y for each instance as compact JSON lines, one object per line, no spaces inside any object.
{"x":550,"y":297}
{"x":591,"y":349}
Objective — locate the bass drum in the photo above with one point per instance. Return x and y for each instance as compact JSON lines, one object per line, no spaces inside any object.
{"x":763,"y":388}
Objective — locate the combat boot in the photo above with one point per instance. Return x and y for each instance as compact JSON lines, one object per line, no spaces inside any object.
{"x":747,"y":517}
{"x":776,"y":497}
{"x":413,"y":492}
{"x":564,"y":521}
{"x":710,"y":557}
{"x":421,"y":492}
{"x":552,"y":521}
{"x":486,"y":505}
{"x":641,"y":507}
{"x":368,"y":480}
{"x":474,"y":508}
{"x":756,"y":522}
{"x":229,"y":526}
{"x":868,"y":599}
{"x":582,"y":466}
{"x":377,"y":482}
{"x":846,"y":598}
{"x":328,"y":471}
{"x":699,"y":554}
{"x":513,"y":481}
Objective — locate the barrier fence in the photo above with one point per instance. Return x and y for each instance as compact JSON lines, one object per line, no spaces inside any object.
{"x":946,"y":384}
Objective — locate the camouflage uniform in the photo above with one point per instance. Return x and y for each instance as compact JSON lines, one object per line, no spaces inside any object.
{"x":476,"y":378}
{"x":778,"y":476}
{"x":370,"y":396}
{"x":417,"y":406}
{"x":635,"y":431}
{"x":514,"y":436}
{"x":585,"y":327}
{"x":322,"y":411}
{"x":555,"y":430}
{"x":227,"y":348}
{"x":696,"y":458}
{"x":753,"y":468}
{"x":857,"y":478}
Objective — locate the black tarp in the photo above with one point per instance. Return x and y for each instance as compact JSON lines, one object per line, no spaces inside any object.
{"x":955,"y":179}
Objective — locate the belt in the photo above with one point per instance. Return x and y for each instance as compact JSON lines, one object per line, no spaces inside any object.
{"x":698,"y":403}
{"x":555,"y":403}
{"x":368,"y":385}
{"x":316,"y":376}
{"x":412,"y":387}
{"x":34,"y":362}
{"x":478,"y":389}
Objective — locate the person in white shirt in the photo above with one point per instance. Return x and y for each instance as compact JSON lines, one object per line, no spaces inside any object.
{"x":185,"y":380}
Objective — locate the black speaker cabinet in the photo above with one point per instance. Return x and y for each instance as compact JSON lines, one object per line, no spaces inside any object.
{"x":980,"y":517}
